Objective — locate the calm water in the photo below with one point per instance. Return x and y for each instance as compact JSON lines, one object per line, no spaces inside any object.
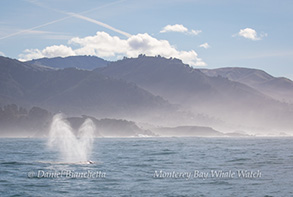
{"x":151,"y":167}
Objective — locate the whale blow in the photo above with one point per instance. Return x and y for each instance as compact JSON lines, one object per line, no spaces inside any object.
{"x":71,"y":147}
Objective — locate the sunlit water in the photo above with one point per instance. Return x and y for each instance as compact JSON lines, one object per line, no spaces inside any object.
{"x":127,"y":166}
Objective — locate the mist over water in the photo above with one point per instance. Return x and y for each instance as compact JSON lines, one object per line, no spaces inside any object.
{"x":71,"y":147}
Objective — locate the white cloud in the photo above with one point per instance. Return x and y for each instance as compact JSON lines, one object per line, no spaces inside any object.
{"x":98,"y":23}
{"x":179,"y":28}
{"x":51,"y":51}
{"x":205,"y":45}
{"x":251,"y":34}
{"x":56,"y":50}
{"x":174,"y":28}
{"x":104,"y":45}
{"x":33,"y":28}
{"x":194,"y":32}
{"x":70,"y":15}
{"x":49,"y":35}
{"x":1,"y":53}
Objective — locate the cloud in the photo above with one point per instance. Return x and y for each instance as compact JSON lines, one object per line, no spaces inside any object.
{"x":179,"y":28}
{"x":194,"y":32}
{"x":37,"y":32}
{"x":51,"y":51}
{"x":106,"y":46}
{"x":98,"y":23}
{"x":49,"y":35}
{"x":33,"y":32}
{"x":55,"y":50}
{"x":33,"y":28}
{"x":69,"y":15}
{"x":1,"y":53}
{"x":174,"y":28}
{"x":101,"y":44}
{"x":251,"y":34}
{"x":205,"y":45}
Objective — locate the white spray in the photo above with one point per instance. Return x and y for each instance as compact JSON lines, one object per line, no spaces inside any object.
{"x":71,"y":148}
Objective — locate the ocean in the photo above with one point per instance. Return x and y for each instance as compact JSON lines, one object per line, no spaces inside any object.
{"x":261,"y":166}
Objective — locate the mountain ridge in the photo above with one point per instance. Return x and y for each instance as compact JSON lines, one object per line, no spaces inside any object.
{"x":82,"y":62}
{"x":199,"y":93}
{"x":75,"y":91}
{"x":279,"y":88}
{"x":154,"y":89}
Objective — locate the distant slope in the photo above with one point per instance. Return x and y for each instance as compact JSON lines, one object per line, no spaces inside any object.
{"x":141,"y":89}
{"x":110,"y":127}
{"x":98,"y":95}
{"x":17,"y":121}
{"x":81,"y":62}
{"x":187,"y":131}
{"x":279,"y":88}
{"x":218,"y":97}
{"x":17,"y":78}
{"x":175,"y":81}
{"x":75,"y":92}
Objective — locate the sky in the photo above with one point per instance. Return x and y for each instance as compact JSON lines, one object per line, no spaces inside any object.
{"x":203,"y":33}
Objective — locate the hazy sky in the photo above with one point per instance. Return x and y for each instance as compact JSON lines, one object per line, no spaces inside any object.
{"x":203,"y":33}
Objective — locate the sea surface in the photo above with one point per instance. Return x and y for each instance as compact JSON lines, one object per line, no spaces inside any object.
{"x":151,"y":167}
